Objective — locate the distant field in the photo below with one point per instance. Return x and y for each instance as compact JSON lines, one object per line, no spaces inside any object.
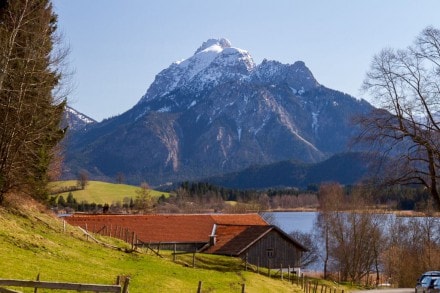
{"x":100,"y":192}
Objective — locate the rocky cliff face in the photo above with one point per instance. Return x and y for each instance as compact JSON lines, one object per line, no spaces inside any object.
{"x":218,"y":112}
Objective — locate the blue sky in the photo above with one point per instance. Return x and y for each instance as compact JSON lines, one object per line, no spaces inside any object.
{"x":117,"y":47}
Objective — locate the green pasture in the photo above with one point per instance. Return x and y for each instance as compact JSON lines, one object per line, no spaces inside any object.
{"x":100,"y":192}
{"x":34,"y":242}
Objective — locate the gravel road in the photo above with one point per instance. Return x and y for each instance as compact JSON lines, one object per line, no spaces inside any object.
{"x":394,"y":290}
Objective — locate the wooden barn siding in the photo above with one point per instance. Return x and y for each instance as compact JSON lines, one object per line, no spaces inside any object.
{"x":285,"y":253}
{"x":180,"y":247}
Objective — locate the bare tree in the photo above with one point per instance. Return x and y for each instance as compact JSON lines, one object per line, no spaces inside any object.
{"x":120,"y":178}
{"x":83,"y":179}
{"x":311,"y":256}
{"x":351,"y":235}
{"x":406,"y":85}
{"x":412,"y":247}
{"x":330,"y":197}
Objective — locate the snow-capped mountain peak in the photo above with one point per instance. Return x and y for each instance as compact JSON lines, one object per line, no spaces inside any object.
{"x":214,"y":44}
{"x":216,"y":60}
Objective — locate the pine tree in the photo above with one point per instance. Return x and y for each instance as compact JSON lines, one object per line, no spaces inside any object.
{"x":29,"y":113}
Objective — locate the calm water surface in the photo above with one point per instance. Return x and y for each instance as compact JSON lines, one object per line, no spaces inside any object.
{"x":293,"y":221}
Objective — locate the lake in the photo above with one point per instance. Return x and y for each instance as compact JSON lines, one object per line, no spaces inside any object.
{"x":293,"y":221}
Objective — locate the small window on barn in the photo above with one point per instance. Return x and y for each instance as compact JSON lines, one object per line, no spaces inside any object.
{"x":270,"y":253}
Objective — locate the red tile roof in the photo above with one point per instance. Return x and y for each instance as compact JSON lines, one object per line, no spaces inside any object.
{"x":165,"y":228}
{"x":233,"y":240}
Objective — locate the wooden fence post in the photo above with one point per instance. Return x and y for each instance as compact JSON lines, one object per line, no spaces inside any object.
{"x":243,"y":288}
{"x":126,"y":283}
{"x":38,"y":279}
{"x":199,"y":288}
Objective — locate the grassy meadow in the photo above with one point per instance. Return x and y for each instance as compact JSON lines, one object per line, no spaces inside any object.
{"x":32,"y":242}
{"x":100,"y":192}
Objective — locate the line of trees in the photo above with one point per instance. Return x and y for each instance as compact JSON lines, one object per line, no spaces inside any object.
{"x":361,"y":246}
{"x":30,"y":113}
{"x":198,"y":197}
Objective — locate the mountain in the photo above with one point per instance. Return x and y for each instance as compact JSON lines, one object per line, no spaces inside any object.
{"x":76,"y":120}
{"x":218,"y":112}
{"x":345,"y":168}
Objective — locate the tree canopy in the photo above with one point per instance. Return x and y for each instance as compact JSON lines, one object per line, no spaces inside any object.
{"x":30,"y":113}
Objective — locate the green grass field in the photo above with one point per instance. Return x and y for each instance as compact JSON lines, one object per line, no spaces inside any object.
{"x":100,"y":192}
{"x":32,"y":242}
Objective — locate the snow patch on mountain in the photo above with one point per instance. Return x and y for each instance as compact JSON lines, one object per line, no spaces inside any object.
{"x":84,"y":118}
{"x":222,"y":43}
{"x":315,"y":124}
{"x":214,"y":62}
{"x":76,"y":120}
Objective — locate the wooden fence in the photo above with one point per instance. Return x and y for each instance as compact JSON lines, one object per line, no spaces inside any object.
{"x":121,"y":286}
{"x":112,"y":231}
{"x":310,"y":286}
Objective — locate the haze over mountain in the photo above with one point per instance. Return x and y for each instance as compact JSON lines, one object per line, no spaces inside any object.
{"x":218,"y":112}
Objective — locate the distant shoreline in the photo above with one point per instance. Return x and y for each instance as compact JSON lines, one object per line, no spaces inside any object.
{"x":378,"y":211}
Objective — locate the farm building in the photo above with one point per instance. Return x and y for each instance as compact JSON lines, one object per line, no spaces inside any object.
{"x":247,"y":236}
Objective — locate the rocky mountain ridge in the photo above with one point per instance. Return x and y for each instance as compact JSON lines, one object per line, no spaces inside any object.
{"x":218,"y":112}
{"x":76,"y":120}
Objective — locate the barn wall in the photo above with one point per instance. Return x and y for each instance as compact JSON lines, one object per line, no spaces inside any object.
{"x":273,"y":251}
{"x":181,"y":247}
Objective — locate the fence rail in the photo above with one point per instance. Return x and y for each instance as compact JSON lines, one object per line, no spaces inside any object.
{"x":65,"y":286}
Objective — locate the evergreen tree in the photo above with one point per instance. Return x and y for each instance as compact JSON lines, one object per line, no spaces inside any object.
{"x":62,"y":201}
{"x":30,"y":114}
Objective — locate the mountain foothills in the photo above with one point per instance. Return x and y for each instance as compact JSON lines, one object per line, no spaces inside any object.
{"x":344,"y":168}
{"x":214,"y":113}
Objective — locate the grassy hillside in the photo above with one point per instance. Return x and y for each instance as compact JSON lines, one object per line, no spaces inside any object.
{"x":33,"y":242}
{"x":100,"y":192}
